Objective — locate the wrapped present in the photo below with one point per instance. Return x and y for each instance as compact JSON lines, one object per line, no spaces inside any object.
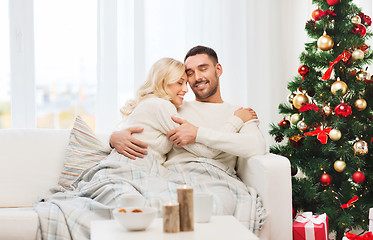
{"x":311,"y":227}
{"x":371,"y":220}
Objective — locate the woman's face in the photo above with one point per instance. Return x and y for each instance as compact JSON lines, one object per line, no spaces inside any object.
{"x":178,"y":90}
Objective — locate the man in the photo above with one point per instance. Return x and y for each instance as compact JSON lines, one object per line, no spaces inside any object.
{"x":209,"y":112}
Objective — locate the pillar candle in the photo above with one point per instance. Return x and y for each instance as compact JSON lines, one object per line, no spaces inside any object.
{"x":171,"y":220}
{"x":185,"y":199}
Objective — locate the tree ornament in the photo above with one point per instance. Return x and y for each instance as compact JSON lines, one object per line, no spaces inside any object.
{"x":301,"y":125}
{"x":357,"y":54}
{"x":356,"y":19}
{"x":295,"y":118}
{"x":365,"y":19}
{"x":284,"y":123}
{"x":322,"y":134}
{"x":335,"y":134}
{"x":296,"y":141}
{"x":303,"y":70}
{"x":279,"y":138}
{"x":299,"y":100}
{"x":363,"y":47}
{"x":363,"y":75}
{"x":358,"y":177}
{"x":343,"y":110}
{"x":316,"y":14}
{"x":339,"y":88}
{"x":346,"y":57}
{"x":332,"y":2}
{"x":325,"y":42}
{"x":360,"y":147}
{"x":339,"y":165}
{"x":325,"y":179}
{"x":359,"y":29}
{"x":327,"y":110}
{"x":361,"y":104}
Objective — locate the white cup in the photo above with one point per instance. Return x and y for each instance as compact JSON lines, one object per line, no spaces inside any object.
{"x":202,"y":207}
{"x":130,"y":200}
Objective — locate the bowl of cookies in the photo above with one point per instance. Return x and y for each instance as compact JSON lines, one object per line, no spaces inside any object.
{"x":135,"y":218}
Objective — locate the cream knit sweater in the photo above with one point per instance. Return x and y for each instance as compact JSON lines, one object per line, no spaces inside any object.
{"x":218,"y":129}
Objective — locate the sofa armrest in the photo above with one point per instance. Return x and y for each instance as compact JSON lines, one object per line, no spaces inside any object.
{"x":270,"y":175}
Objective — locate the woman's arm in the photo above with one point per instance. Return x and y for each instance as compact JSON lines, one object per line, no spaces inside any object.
{"x":167,"y":109}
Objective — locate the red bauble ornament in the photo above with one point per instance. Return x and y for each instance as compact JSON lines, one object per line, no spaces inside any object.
{"x":358,"y":177}
{"x":359,"y":29}
{"x":284,"y":123}
{"x":332,"y":2}
{"x":294,"y":212}
{"x":316,"y":14}
{"x":303,"y":70}
{"x":343,"y":110}
{"x":325,"y":179}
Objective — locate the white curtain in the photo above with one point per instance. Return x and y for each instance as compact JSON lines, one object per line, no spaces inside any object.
{"x":257,"y":42}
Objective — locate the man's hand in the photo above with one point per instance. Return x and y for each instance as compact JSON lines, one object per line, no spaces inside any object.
{"x":184,"y":134}
{"x":126,"y":144}
{"x":246,"y":114}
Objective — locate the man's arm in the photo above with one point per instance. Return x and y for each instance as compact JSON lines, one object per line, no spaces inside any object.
{"x":126,"y":144}
{"x":249,"y":141}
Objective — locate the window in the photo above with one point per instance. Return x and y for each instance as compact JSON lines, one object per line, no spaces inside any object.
{"x":5,"y":66}
{"x":65,"y":62}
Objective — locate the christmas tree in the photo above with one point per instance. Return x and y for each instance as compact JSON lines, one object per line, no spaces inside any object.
{"x":326,"y":130}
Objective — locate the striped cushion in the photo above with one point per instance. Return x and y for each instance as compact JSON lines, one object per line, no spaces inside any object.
{"x":84,"y":150}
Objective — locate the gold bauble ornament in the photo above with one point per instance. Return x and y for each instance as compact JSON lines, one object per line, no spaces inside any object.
{"x":339,"y":165}
{"x":335,"y":134}
{"x":360,"y":147}
{"x":295,"y":118}
{"x":299,"y":99}
{"x":361,"y":104}
{"x":325,"y":42}
{"x":363,"y":75}
{"x":339,"y":85}
{"x":356,"y":19}
{"x":357,"y":54}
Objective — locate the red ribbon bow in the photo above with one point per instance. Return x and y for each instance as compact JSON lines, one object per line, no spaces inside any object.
{"x":321,"y":134}
{"x":367,"y":236}
{"x":309,"y":106}
{"x":350,"y":202}
{"x":327,"y":12}
{"x":328,"y":72}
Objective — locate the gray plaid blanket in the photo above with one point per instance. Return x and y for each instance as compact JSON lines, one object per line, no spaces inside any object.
{"x":68,"y":214}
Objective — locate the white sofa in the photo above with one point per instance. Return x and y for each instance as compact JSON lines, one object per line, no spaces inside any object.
{"x":32,"y":159}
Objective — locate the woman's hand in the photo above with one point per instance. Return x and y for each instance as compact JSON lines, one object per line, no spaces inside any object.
{"x":246,"y":114}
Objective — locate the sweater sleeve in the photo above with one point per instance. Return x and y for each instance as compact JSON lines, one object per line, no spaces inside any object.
{"x":164,"y":112}
{"x":248,"y":142}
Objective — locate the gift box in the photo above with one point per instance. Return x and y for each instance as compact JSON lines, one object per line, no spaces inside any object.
{"x":311,"y":227}
{"x":371,"y":220}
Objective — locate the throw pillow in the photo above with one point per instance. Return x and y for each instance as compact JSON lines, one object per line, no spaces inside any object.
{"x":83,"y":151}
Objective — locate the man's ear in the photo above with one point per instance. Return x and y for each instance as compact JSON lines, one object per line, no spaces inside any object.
{"x":219,"y":69}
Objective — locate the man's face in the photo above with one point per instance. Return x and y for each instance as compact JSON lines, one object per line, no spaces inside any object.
{"x":203,"y":76}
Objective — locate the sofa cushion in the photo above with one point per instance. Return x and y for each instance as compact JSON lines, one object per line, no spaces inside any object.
{"x":31,"y":161}
{"x":18,"y":223}
{"x":83,"y":151}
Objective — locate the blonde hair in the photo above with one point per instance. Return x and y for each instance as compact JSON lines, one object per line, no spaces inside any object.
{"x":163,"y":72}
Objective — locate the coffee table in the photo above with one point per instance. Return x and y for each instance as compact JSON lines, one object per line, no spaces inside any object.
{"x":220,"y":227}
